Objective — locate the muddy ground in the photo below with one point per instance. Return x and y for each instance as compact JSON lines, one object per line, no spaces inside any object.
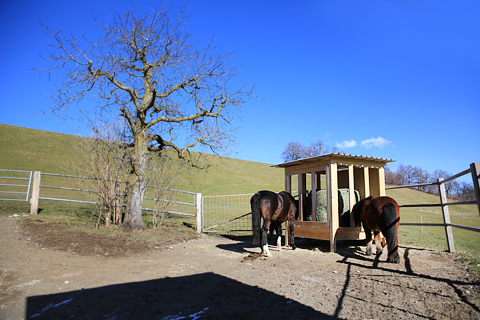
{"x":221,"y":278}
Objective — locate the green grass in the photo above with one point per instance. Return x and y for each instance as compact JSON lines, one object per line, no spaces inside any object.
{"x":34,"y":150}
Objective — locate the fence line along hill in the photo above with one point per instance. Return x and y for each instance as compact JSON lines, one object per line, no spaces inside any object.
{"x":37,"y":150}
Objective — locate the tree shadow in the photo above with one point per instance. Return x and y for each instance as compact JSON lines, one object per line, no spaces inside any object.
{"x":201,"y":296}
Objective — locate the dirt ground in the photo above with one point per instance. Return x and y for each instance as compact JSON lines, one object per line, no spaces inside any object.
{"x":220,"y":278}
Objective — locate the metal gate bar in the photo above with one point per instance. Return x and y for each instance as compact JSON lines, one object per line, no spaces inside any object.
{"x":17,"y":185}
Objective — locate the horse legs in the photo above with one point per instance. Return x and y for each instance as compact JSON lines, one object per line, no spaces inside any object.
{"x":270,"y":236}
{"x":291,"y":232}
{"x":368,"y":240}
{"x":279,"y":236}
{"x":378,"y":242}
{"x":264,"y":243}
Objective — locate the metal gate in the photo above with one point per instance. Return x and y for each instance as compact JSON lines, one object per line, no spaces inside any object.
{"x":227,"y":214}
{"x":15,"y":191}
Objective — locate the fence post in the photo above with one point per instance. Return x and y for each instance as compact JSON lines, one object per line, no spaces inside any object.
{"x":35,"y":193}
{"x":475,"y":169}
{"x":446,"y":216}
{"x":198,"y":213}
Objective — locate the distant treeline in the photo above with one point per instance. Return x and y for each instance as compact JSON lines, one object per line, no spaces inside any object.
{"x":406,"y":175}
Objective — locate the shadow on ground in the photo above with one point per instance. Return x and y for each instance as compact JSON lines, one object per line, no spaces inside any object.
{"x":201,"y":296}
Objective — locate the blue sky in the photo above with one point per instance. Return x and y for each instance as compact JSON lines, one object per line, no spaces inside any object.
{"x":391,"y":79}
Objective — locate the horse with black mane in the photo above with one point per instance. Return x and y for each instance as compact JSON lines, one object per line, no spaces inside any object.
{"x":275,"y":208}
{"x":379,"y":214}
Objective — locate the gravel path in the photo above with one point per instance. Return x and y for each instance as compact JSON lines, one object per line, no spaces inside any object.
{"x":218,"y":278}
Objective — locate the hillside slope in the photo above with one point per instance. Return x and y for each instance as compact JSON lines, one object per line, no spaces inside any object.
{"x":37,"y":150}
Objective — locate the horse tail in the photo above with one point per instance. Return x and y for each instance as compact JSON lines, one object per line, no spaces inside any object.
{"x":256,"y":217}
{"x":391,"y":233}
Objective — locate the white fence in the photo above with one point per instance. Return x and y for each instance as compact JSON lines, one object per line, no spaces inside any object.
{"x":34,"y":189}
{"x":15,"y":191}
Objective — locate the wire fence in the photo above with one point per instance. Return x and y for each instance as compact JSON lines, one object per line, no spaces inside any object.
{"x":227,"y":213}
{"x":69,"y":194}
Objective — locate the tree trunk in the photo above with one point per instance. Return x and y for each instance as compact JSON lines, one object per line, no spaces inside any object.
{"x":136,"y":184}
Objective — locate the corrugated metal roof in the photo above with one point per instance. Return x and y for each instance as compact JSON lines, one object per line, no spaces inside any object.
{"x":330,"y":156}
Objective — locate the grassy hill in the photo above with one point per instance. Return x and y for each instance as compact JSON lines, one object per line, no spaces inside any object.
{"x":35,"y":150}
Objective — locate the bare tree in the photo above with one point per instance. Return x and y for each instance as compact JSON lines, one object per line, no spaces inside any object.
{"x":171,"y":94}
{"x":318,"y":148}
{"x":164,"y":172}
{"x":293,"y":151}
{"x":99,"y":160}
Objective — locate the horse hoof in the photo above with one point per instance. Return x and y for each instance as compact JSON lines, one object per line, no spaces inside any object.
{"x":396,"y":259}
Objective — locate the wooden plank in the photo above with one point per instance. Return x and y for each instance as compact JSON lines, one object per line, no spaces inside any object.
{"x":312,"y":230}
{"x":374,"y":182}
{"x":288,"y":183}
{"x":314,"y":196}
{"x":351,"y":191}
{"x":446,"y":216}
{"x":288,"y":188}
{"x":350,"y":233}
{"x":199,"y":213}
{"x":360,"y":163}
{"x":381,"y":180}
{"x":35,"y":193}
{"x":475,"y":170}
{"x":359,"y":184}
{"x":302,"y":186}
{"x":343,"y":180}
{"x":311,"y":224}
{"x":332,"y":203}
{"x":366,"y":180}
{"x":305,"y":169}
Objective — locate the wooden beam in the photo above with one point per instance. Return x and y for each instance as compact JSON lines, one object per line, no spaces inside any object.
{"x":446,"y":216}
{"x":475,"y":170}
{"x":332,"y":203}
{"x":366,"y":181}
{"x":351,"y":191}
{"x":288,"y":183}
{"x":35,"y":193}
{"x":314,"y":196}
{"x":381,"y":177}
{"x":302,"y":186}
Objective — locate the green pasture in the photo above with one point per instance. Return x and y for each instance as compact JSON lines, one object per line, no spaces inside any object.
{"x":34,"y":150}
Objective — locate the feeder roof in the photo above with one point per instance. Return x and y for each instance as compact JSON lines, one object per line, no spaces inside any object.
{"x":333,"y":156}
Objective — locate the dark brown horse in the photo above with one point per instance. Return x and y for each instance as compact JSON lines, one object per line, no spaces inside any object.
{"x":274,"y":208}
{"x":379,"y":214}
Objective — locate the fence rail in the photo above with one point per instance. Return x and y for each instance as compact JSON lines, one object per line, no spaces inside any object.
{"x":99,"y":203}
{"x":9,"y":185}
{"x":475,"y":172}
{"x":34,"y":187}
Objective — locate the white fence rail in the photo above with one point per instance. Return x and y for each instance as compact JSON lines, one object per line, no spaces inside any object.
{"x":34,"y":186}
{"x":12,"y":190}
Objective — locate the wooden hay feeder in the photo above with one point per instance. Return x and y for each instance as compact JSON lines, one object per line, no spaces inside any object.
{"x":348,"y":173}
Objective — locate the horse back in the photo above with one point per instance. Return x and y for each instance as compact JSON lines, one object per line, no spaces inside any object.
{"x":286,"y":207}
{"x":380,"y":213}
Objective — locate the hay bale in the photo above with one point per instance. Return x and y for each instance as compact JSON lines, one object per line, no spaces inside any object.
{"x":321,"y":210}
